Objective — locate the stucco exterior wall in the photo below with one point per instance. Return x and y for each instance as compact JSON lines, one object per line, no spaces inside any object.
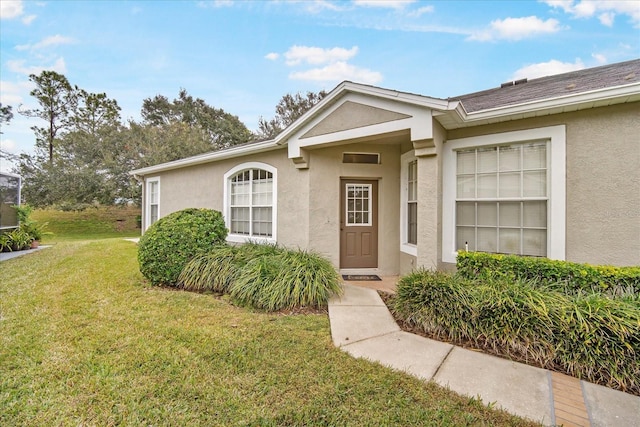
{"x":202,"y":186}
{"x":326,"y":169}
{"x":603,"y":180}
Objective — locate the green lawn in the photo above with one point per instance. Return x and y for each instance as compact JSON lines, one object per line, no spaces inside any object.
{"x":83,"y":341}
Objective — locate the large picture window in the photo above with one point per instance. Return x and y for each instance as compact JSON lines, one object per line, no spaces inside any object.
{"x":250,"y":211}
{"x":501,"y":199}
{"x":505,"y":193}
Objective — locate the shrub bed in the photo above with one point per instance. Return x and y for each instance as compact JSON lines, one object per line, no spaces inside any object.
{"x":168,"y":245}
{"x":592,"y":337}
{"x":264,"y":276}
{"x":569,"y":276}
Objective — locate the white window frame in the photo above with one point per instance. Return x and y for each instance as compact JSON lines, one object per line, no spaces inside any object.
{"x":242,"y":238}
{"x":405,"y":246}
{"x":556,"y":184}
{"x":147,"y":217}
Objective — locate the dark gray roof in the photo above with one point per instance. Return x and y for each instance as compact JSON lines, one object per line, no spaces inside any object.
{"x":589,"y":79}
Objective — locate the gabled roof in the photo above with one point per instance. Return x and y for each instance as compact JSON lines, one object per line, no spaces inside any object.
{"x":558,"y":85}
{"x":588,"y":88}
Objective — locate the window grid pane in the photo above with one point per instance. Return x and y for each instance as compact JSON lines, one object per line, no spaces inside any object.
{"x":501,"y":203}
{"x":358,"y":204}
{"x":412,"y":203}
{"x":251,"y":202}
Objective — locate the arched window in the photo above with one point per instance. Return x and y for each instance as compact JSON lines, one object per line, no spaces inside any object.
{"x":250,"y":202}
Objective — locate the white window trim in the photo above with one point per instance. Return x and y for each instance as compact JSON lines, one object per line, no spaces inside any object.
{"x":405,"y":247}
{"x":241,"y":238}
{"x":556,"y":206}
{"x":147,"y":217}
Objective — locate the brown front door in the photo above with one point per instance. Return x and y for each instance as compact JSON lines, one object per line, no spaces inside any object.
{"x":358,"y":223}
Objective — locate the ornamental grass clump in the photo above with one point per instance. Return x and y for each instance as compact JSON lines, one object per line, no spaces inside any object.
{"x":212,"y":272}
{"x":264,"y":276}
{"x":593,"y":337}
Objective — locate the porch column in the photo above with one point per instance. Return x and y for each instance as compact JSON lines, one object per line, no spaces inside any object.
{"x":428,"y":202}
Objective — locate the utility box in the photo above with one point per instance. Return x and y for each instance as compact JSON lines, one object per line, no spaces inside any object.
{"x":10,"y":186}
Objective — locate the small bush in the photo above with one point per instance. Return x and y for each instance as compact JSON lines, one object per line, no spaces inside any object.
{"x":592,"y":337}
{"x":264,"y":276}
{"x":168,"y":245}
{"x":570,"y":277}
{"x":15,"y":240}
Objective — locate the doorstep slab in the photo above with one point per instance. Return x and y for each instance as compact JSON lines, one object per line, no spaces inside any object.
{"x":518,"y":388}
{"x":354,"y":295}
{"x":403,"y":351}
{"x":609,"y":407}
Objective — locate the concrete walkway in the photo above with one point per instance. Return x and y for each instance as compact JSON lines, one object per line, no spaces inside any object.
{"x":4,"y":256}
{"x":362,"y":326}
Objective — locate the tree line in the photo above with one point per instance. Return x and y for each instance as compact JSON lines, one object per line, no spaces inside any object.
{"x":84,"y":151}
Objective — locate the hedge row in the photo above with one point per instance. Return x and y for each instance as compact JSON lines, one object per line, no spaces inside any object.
{"x":568,"y":276}
{"x":591,"y":336}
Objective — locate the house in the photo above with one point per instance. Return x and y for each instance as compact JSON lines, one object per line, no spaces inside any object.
{"x":383,"y":181}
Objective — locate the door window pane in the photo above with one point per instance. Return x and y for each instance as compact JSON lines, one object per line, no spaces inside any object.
{"x":358,"y":204}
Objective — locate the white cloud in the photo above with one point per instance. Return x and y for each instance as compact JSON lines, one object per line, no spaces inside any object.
{"x":8,"y":145}
{"x":317,"y":55}
{"x":421,"y":11}
{"x":607,"y":18}
{"x":272,"y":56}
{"x":549,"y":68}
{"x":215,"y":3}
{"x":27,"y":20}
{"x":18,"y":66}
{"x":516,"y":29}
{"x":13,"y":93}
{"x":389,"y":4}
{"x":605,"y":10}
{"x":600,"y":58}
{"x":47,"y":42}
{"x":338,"y":71}
{"x":10,"y":9}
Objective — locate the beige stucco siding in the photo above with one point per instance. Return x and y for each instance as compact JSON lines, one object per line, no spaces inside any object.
{"x":602,"y":180}
{"x":202,"y":186}
{"x":326,"y":169}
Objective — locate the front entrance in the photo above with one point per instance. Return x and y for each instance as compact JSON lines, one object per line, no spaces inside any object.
{"x":358,"y":223}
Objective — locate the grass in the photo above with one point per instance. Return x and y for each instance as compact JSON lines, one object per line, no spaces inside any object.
{"x":89,"y":224}
{"x":84,"y":341}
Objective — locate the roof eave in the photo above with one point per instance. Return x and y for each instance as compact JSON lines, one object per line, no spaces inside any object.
{"x":228,"y":153}
{"x":350,"y":87}
{"x":572,"y":102}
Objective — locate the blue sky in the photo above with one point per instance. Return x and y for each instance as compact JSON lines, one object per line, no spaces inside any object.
{"x":243,"y":56}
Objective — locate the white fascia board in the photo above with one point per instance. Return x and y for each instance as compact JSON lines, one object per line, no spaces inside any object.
{"x":363,"y":94}
{"x":418,"y":121}
{"x":228,"y":153}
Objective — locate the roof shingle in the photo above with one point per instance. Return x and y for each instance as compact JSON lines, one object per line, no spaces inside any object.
{"x":586,"y":80}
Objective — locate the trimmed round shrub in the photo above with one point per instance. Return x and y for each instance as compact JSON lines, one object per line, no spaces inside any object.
{"x":168,"y":245}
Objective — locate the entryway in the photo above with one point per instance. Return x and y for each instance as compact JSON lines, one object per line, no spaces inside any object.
{"x":358,"y":223}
